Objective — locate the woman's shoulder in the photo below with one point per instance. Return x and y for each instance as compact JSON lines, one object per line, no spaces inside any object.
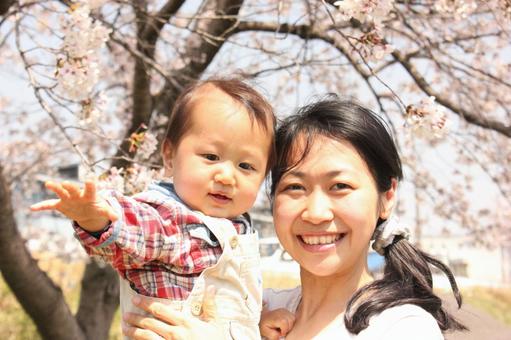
{"x":282,"y":298}
{"x":406,"y":310}
{"x":406,"y":321}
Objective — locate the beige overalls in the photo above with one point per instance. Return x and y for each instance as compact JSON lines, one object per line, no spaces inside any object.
{"x":236,"y":277}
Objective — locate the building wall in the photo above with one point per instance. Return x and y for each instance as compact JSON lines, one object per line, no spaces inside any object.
{"x":488,"y":265}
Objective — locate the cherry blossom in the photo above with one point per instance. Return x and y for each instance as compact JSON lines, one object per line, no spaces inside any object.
{"x":427,"y":120}
{"x":133,"y":180}
{"x":459,"y":8}
{"x":372,"y":46}
{"x":148,"y":146}
{"x":365,"y":10}
{"x":78,"y":69}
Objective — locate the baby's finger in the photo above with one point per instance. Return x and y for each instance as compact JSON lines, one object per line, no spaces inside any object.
{"x":288,"y":324}
{"x":72,"y":189}
{"x":89,"y":192}
{"x":45,"y":205}
{"x":57,"y":189}
{"x":285,"y":327}
{"x":270,"y":333}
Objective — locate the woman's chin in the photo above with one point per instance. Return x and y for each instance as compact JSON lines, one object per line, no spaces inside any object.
{"x":323,"y":269}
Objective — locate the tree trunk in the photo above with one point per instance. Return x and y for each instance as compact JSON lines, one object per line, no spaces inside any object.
{"x":5,"y":5}
{"x":99,"y":300}
{"x":35,"y":291}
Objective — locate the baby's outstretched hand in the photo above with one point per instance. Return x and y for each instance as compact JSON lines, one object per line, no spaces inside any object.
{"x":81,"y":205}
{"x":276,"y":323}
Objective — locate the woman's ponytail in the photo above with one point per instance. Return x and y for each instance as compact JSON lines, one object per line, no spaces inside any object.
{"x":407,"y":279}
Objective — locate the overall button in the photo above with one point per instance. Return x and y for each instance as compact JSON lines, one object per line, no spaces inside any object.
{"x":196,"y":308}
{"x":234,"y":242}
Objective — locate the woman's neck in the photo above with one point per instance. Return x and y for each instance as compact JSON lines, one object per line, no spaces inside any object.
{"x":324,"y":299}
{"x":335,"y":290}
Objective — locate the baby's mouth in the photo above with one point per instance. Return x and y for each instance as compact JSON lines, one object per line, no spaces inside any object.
{"x":221,"y":197}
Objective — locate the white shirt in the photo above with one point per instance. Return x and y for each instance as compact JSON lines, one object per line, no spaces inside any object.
{"x":404,"y":322}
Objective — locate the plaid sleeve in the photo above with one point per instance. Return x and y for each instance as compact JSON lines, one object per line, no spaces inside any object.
{"x":143,"y":233}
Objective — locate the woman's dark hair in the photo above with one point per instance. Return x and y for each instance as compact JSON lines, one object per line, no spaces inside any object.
{"x":407,"y":276}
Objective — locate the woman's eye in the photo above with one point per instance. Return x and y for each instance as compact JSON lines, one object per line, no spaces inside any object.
{"x":246,"y":166}
{"x":293,"y":187}
{"x":340,"y":186}
{"x":210,"y":157}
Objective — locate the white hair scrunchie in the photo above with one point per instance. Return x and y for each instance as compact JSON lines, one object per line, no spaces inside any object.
{"x":385,"y":233}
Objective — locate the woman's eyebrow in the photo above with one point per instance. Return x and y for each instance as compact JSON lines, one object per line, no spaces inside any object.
{"x":295,"y":173}
{"x":331,"y":173}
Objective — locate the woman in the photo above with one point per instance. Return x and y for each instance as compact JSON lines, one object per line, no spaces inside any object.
{"x":333,"y":190}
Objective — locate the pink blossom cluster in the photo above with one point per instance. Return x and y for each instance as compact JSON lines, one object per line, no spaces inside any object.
{"x":504,"y":9}
{"x":92,"y":108}
{"x":147,"y":147}
{"x":78,"y":70}
{"x":372,"y":46}
{"x":129,"y":181}
{"x":427,"y":119}
{"x":460,"y":9}
{"x":365,"y":10}
{"x":143,"y":142}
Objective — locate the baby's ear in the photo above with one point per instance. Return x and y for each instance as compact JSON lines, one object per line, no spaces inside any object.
{"x":167,"y":155}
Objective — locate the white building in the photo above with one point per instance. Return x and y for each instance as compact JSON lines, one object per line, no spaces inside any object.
{"x":485,"y":265}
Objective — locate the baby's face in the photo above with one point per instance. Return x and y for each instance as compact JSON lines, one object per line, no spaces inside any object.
{"x":220,"y":162}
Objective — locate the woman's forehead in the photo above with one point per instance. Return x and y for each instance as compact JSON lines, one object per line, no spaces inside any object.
{"x":326,"y":158}
{"x":316,"y":147}
{"x":307,"y":146}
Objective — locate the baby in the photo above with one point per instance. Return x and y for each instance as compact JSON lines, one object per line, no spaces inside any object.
{"x":177,"y":238}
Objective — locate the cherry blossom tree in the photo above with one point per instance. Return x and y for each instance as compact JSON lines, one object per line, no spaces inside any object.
{"x":104,"y":75}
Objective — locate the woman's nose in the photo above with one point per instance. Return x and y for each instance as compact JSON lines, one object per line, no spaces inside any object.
{"x":317,"y":209}
{"x":225,"y":175}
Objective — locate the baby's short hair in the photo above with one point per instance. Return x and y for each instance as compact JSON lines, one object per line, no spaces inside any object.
{"x":257,"y":107}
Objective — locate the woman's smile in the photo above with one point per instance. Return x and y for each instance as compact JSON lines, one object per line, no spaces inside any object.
{"x":320,"y":242}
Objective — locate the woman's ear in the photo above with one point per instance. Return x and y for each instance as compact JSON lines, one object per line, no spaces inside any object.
{"x":167,"y":154}
{"x":388,"y":200}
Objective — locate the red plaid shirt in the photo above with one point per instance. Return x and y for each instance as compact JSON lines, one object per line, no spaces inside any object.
{"x":157,"y":244}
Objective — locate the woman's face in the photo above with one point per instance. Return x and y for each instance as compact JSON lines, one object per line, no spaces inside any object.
{"x":326,"y":208}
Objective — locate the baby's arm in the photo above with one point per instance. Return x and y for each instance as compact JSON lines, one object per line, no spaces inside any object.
{"x":276,"y":323}
{"x":91,"y":212}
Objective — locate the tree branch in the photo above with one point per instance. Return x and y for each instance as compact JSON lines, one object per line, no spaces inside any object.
{"x":308,"y":32}
{"x":200,"y":50}
{"x":5,"y":5}
{"x":148,"y":33}
{"x":470,"y":117}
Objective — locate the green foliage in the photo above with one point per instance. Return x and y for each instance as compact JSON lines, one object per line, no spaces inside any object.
{"x":14,"y":322}
{"x":494,"y":301}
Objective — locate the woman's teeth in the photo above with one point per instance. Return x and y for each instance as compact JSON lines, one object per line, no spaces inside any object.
{"x":323,"y":239}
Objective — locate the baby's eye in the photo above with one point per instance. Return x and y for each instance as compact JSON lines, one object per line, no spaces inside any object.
{"x":210,"y":157}
{"x":246,"y":166}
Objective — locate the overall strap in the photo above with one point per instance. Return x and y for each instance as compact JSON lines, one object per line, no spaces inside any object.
{"x":222,"y":228}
